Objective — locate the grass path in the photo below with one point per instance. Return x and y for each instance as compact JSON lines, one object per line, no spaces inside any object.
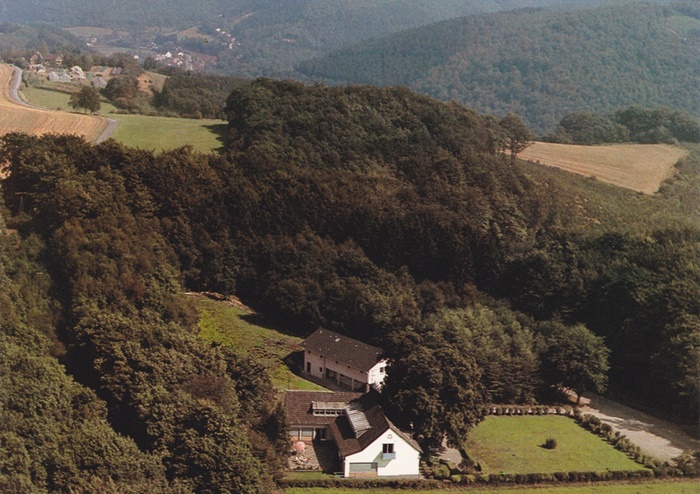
{"x":652,"y":487}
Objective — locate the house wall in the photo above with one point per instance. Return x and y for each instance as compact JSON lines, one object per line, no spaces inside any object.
{"x":377,"y":373}
{"x":318,"y":366}
{"x":405,"y":464}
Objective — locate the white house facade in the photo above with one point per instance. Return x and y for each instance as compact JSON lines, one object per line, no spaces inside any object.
{"x":368,"y":443}
{"x":390,"y":455}
{"x":348,"y":362}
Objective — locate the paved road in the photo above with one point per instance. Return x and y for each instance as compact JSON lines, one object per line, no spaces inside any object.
{"x":14,"y":94}
{"x":14,"y":86}
{"x":656,"y":437}
{"x":108,"y":131}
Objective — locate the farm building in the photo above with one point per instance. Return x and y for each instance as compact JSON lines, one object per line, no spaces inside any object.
{"x":346,"y":361}
{"x":368,"y":443}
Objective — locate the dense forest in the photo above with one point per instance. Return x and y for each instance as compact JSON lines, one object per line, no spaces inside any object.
{"x":631,"y":124}
{"x":539,"y":64}
{"x":268,"y":37}
{"x":378,"y":213}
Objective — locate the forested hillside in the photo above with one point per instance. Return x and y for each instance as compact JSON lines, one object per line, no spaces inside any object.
{"x":15,"y":40}
{"x":268,"y":37}
{"x":378,"y":213}
{"x":540,"y":64}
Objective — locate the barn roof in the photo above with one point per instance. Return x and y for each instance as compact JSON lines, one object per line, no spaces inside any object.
{"x":344,"y":349}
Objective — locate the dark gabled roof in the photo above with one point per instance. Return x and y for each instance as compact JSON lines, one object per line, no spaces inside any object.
{"x":346,"y":350}
{"x":349,"y":442}
{"x":298,"y":406}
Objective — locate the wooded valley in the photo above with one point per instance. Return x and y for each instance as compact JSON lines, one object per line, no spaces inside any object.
{"x":378,"y":213}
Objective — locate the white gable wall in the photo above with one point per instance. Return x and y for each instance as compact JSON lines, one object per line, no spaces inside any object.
{"x":406,"y":462}
{"x":318,"y":366}
{"x":377,"y":373}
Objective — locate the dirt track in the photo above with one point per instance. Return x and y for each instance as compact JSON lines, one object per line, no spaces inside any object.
{"x":654,"y":436}
{"x":16,"y":117}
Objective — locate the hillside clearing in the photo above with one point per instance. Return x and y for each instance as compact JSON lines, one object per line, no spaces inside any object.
{"x":228,"y":323}
{"x":17,"y":118}
{"x":639,"y":167}
{"x":146,"y":132}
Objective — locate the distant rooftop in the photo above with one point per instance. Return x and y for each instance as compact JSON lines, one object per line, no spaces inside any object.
{"x":344,"y":349}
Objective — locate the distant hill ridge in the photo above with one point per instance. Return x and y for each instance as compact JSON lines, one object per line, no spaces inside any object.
{"x":539,"y":64}
{"x":274,"y":35}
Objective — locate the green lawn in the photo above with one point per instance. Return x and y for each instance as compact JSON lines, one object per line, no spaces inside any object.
{"x":223,"y":323}
{"x":153,"y":133}
{"x":652,"y":487}
{"x":514,"y":445}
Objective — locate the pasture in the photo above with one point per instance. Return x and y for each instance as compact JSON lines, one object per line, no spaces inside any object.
{"x":151,"y":133}
{"x":639,"y":167}
{"x":231,"y":324}
{"x":515,"y":445}
{"x":652,"y":487}
{"x":36,"y":121}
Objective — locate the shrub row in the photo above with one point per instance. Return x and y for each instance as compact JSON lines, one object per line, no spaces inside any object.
{"x":617,"y":440}
{"x":403,"y":484}
{"x":529,"y":410}
{"x":537,"y":478}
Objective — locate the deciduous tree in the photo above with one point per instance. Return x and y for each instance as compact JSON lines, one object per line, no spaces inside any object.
{"x":87,"y":98}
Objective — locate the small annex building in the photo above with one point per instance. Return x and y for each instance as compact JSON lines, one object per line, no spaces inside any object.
{"x":346,"y":361}
{"x":368,"y":443}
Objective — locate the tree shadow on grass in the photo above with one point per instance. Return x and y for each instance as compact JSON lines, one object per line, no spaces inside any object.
{"x":222,"y":133}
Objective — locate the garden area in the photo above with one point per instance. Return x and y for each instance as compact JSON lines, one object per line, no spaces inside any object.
{"x":519,"y":445}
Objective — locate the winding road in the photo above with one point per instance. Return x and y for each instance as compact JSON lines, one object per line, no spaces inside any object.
{"x":16,"y":115}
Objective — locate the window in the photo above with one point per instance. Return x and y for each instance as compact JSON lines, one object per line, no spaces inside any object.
{"x":381,"y":370}
{"x":388,"y":451}
{"x":320,"y":369}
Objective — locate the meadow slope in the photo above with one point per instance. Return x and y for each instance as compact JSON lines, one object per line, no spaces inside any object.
{"x":640,"y":167}
{"x":17,"y":118}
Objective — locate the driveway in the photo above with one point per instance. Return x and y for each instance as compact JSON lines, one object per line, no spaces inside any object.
{"x":656,"y":437}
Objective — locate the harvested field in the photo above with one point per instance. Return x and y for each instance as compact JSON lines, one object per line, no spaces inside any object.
{"x":18,"y":118}
{"x":640,"y":167}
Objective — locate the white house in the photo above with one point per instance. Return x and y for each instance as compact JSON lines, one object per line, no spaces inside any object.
{"x":346,"y":361}
{"x":369,"y":444}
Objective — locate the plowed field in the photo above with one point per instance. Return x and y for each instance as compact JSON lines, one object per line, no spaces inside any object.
{"x":17,"y":118}
{"x":640,"y":167}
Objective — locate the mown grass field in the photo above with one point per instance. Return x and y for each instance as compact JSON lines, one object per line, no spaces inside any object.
{"x":514,"y":445}
{"x":653,"y":487}
{"x":152,"y":133}
{"x":639,"y":167}
{"x":232,"y":325}
{"x":36,"y":121}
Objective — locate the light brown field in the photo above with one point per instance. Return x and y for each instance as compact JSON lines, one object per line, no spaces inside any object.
{"x":640,"y":167}
{"x":18,"y":118}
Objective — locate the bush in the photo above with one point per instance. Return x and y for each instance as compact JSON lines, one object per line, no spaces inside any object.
{"x":550,"y":443}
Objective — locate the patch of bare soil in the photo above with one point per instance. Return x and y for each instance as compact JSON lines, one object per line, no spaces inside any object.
{"x":656,"y":437}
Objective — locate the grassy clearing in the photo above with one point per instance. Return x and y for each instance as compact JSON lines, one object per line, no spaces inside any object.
{"x":152,"y":133}
{"x":37,"y":121}
{"x":597,"y":206}
{"x":228,"y":324}
{"x":665,"y":487}
{"x":639,"y":167}
{"x":514,"y":445}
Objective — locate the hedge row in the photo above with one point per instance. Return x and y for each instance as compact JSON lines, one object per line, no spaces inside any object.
{"x":403,"y":484}
{"x":513,"y":410}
